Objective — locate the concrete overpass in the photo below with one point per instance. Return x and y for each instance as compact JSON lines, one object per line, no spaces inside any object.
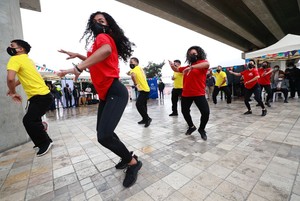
{"x":244,"y":24}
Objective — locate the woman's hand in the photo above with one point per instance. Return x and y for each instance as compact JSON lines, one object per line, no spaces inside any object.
{"x":62,"y":73}
{"x":72,"y":55}
{"x":187,"y":70}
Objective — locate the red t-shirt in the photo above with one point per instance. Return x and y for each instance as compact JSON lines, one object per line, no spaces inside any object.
{"x":104,"y":72}
{"x":249,"y":75}
{"x":194,"y":83}
{"x":264,"y":80}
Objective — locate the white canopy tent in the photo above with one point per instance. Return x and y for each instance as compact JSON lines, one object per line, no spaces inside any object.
{"x":285,"y":49}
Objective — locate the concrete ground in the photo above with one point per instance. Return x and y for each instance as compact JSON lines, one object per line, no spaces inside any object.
{"x":246,"y":157}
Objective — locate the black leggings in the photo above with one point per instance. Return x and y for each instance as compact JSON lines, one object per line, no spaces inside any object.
{"x":257,"y":96}
{"x":109,"y":114}
{"x":268,"y":91}
{"x":202,"y":105}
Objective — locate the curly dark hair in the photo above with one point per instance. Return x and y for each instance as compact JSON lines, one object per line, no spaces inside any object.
{"x":124,"y":46}
{"x":201,"y":54}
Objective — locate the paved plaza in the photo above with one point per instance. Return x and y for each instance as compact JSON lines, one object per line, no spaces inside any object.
{"x":246,"y":157}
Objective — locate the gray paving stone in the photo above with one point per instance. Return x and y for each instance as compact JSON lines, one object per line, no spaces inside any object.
{"x":246,"y":158}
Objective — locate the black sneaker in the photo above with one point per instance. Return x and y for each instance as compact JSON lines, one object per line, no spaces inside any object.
{"x":248,"y":112}
{"x":285,"y":101}
{"x":268,"y":104}
{"x":203,"y":134}
{"x":50,"y":140}
{"x":264,"y":112}
{"x":190,"y":130}
{"x":148,"y":122}
{"x":142,"y":122}
{"x":43,"y":150}
{"x":173,"y":114}
{"x":122,"y":164}
{"x":131,"y":174}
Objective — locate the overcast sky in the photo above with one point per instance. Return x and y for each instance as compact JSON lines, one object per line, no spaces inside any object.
{"x":62,"y":23}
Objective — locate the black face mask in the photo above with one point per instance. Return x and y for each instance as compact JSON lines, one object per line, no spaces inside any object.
{"x":192,"y":58}
{"x":264,"y":66}
{"x":131,"y":66}
{"x":98,"y":28}
{"x":250,"y":66}
{"x":218,"y":71}
{"x":11,"y":51}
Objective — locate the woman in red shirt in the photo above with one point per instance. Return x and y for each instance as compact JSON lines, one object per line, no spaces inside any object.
{"x":194,"y":83}
{"x":109,"y":44}
{"x":265,"y":72}
{"x":251,"y":86}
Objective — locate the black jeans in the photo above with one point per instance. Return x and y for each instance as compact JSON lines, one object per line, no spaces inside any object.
{"x":226,"y":91}
{"x":109,"y":114}
{"x":268,"y":91}
{"x":38,"y":105}
{"x":141,"y":104}
{"x":176,"y":93}
{"x":257,"y":96}
{"x":202,"y":105}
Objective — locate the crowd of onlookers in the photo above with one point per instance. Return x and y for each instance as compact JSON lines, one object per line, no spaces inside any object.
{"x":72,"y":97}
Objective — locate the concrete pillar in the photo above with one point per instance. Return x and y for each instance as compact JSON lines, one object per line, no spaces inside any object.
{"x":12,"y":132}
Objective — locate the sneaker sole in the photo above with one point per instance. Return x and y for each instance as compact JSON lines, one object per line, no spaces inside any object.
{"x":35,"y":147}
{"x":42,"y":154}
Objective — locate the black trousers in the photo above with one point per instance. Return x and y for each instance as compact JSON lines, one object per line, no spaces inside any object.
{"x":110,"y":112}
{"x":257,"y":96}
{"x":176,"y":93}
{"x":294,"y":87}
{"x":268,"y":90}
{"x":38,"y":105}
{"x":226,"y":91}
{"x":68,"y":101}
{"x":202,"y":105}
{"x":141,"y":104}
{"x":283,"y":90}
{"x":76,"y":99}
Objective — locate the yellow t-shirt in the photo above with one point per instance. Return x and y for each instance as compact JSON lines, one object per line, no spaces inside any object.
{"x":28,"y":75}
{"x":219,"y":78}
{"x":142,"y":84}
{"x":178,"y":80}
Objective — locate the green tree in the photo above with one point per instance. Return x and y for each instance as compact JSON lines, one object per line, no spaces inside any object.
{"x":154,"y":70}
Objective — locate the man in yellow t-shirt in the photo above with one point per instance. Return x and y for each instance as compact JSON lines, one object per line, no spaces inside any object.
{"x":38,"y":94}
{"x":139,"y":79}
{"x":221,"y":85}
{"x":177,"y":88}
